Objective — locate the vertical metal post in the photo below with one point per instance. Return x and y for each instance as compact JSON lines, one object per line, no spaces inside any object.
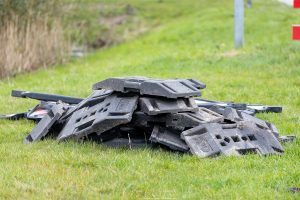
{"x":239,"y":23}
{"x":249,"y":3}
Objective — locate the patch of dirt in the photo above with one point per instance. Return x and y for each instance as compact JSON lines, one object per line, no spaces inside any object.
{"x":231,"y":53}
{"x":99,"y":43}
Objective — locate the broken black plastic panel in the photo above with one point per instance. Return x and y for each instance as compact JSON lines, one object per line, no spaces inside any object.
{"x":112,"y":111}
{"x":180,"y":120}
{"x":45,"y":97}
{"x":159,"y":105}
{"x":35,"y":114}
{"x":287,"y":138}
{"x":43,"y":127}
{"x":209,"y":103}
{"x":171,"y":88}
{"x":262,"y":108}
{"x":214,"y":139}
{"x":248,"y":108}
{"x":15,"y":116}
{"x":236,"y":116}
{"x":39,"y":111}
{"x":169,"y":137}
{"x":96,"y":97}
{"x":192,"y":119}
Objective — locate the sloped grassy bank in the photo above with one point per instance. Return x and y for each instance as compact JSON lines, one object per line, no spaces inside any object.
{"x":197,"y":45}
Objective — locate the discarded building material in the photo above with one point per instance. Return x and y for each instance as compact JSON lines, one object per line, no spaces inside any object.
{"x":96,"y":97}
{"x":45,"y":97}
{"x":35,"y":114}
{"x":154,"y":106}
{"x":287,"y":138}
{"x":110,"y":112}
{"x":234,"y":139}
{"x":139,"y":111}
{"x":172,"y":88}
{"x":168,"y":137}
{"x":44,"y":126}
{"x":237,"y":116}
{"x":248,"y":108}
{"x":15,"y":116}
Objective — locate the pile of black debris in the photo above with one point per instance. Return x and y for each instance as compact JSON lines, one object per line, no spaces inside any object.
{"x":140,"y":111}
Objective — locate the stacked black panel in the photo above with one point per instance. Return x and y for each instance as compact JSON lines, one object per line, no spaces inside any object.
{"x":139,"y":111}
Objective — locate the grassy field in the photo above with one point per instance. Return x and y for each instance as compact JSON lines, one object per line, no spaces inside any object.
{"x":196,"y":43}
{"x":103,"y":23}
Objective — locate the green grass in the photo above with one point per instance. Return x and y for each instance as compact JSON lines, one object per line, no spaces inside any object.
{"x":196,"y":44}
{"x":88,"y":21}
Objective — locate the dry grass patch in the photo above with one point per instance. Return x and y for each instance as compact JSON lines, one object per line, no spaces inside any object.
{"x":24,"y":48}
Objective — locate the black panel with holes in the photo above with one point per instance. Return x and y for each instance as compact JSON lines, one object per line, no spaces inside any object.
{"x":114,"y":110}
{"x":214,"y":139}
{"x":96,"y":97}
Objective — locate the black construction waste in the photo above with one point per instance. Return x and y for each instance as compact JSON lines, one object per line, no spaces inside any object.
{"x":139,"y":111}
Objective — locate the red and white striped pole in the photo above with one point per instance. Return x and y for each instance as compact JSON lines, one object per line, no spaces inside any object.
{"x":296,"y":28}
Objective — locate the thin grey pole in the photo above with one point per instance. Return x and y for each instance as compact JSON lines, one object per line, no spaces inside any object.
{"x":239,"y":23}
{"x":249,"y":3}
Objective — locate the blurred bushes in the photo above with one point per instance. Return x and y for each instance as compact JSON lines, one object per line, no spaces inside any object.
{"x":28,"y":9}
{"x":31,"y":35}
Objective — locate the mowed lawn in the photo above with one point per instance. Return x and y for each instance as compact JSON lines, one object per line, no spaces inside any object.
{"x":197,"y":43}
